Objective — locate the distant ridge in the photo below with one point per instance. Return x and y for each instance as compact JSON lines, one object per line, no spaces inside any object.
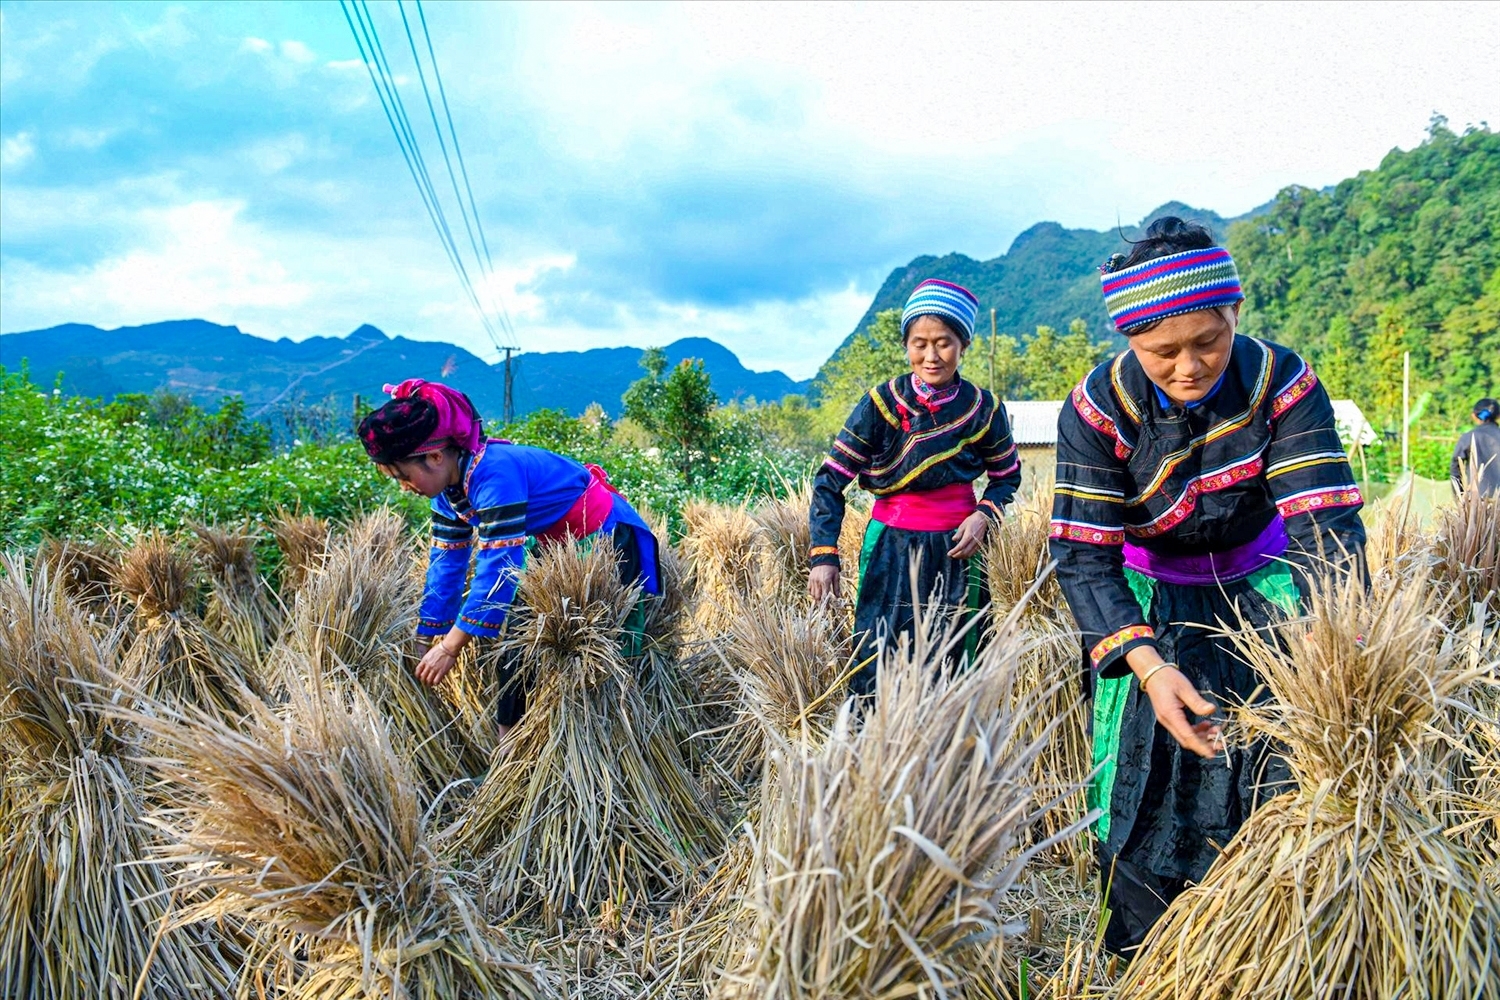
{"x":207,"y":361}
{"x":1049,"y":276}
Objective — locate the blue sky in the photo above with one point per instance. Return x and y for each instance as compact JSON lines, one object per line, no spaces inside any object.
{"x":646,"y":172}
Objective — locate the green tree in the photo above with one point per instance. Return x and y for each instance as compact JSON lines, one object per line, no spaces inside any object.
{"x":869,"y":359}
{"x":1397,"y":258}
{"x":996,"y":364}
{"x":1052,"y":365}
{"x":677,"y":410}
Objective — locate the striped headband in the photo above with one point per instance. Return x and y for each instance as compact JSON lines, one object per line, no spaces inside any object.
{"x":942,"y":298}
{"x":1167,"y":286}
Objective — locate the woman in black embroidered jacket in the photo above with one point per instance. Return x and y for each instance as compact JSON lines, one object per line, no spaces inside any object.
{"x":918,"y":442}
{"x":1199,"y":477}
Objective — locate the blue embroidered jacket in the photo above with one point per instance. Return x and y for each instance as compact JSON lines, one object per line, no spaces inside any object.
{"x":505,"y":492}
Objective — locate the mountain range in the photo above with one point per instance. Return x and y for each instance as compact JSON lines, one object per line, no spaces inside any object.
{"x":207,"y":362}
{"x":1048,"y":276}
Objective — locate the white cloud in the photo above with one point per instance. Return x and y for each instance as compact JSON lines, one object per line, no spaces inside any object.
{"x":297,"y":52}
{"x":197,"y":260}
{"x":17,"y":149}
{"x":257,"y":45}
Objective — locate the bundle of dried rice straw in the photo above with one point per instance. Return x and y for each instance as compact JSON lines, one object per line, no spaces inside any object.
{"x":241,"y":608}
{"x":589,"y":805}
{"x":1020,"y":575}
{"x":170,"y":654}
{"x":790,"y":666}
{"x":354,"y":618}
{"x":721,"y":546}
{"x":303,"y":541}
{"x":880,"y":857}
{"x":79,"y":918}
{"x":1466,"y":550}
{"x":1347,"y":886}
{"x":307,"y":826}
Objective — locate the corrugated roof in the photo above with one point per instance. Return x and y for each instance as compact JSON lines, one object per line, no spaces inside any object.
{"x":1033,"y":422}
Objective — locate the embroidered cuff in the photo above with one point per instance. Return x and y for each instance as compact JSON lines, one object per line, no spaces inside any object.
{"x":824,"y":555}
{"x":475,"y":627}
{"x":428,"y":626}
{"x":992,"y":511}
{"x":1110,"y":651}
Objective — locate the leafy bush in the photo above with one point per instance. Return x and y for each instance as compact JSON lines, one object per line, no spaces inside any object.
{"x":74,"y":467}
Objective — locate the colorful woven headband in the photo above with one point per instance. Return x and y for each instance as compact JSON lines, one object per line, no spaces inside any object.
{"x":942,"y":298}
{"x":1168,"y":286}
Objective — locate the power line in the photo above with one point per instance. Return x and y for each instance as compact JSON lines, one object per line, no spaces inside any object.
{"x":464,"y":169}
{"x":367,"y":38}
{"x":372,"y":52}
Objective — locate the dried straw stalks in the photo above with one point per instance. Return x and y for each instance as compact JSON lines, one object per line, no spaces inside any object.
{"x":722,"y":549}
{"x":308,"y":828}
{"x":240,"y":608}
{"x":78,"y":917}
{"x":85,"y":571}
{"x":353,"y":620}
{"x":1348,"y":885}
{"x":1020,"y":575}
{"x":789,"y":664}
{"x":303,"y":541}
{"x":1466,"y":550}
{"x":785,"y":544}
{"x":880,"y":857}
{"x":170,"y":653}
{"x":588,"y":809}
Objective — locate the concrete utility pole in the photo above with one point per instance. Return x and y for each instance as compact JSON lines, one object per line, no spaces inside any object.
{"x":510,"y":379}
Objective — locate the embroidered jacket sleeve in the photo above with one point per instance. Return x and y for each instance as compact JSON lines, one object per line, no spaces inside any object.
{"x":852,"y":452}
{"x":1088,"y":536}
{"x":1308,"y":473}
{"x":447,"y":566}
{"x":1002,"y":463}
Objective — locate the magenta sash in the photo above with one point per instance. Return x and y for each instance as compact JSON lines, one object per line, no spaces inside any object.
{"x":942,"y":509}
{"x":588,"y":513}
{"x":1211,"y":567}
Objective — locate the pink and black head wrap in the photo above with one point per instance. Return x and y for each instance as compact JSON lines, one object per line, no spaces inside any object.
{"x":421,"y":417}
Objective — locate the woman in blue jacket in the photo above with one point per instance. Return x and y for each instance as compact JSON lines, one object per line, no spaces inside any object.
{"x":488,"y":496}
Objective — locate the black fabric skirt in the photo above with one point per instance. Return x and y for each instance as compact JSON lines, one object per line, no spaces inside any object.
{"x":885,"y":610}
{"x":1168,"y":812}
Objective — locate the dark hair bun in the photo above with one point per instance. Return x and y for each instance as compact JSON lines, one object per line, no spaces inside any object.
{"x":1168,"y":235}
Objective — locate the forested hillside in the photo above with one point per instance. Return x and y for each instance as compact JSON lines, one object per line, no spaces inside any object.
{"x":1402,"y":257}
{"x":1048,"y":277}
{"x":1405,"y":257}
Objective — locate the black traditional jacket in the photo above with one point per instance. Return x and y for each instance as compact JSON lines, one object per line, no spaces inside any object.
{"x":1189,"y":481}
{"x":895,"y":442}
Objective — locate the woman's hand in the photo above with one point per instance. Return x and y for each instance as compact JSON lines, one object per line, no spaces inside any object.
{"x":823,"y":583}
{"x":969,"y":536}
{"x":438,"y":660}
{"x":1173,"y":696}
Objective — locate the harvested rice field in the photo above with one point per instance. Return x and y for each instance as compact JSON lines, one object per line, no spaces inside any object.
{"x":222,"y":779}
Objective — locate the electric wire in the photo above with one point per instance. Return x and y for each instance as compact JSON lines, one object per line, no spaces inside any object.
{"x":463,"y":169}
{"x":372,"y":52}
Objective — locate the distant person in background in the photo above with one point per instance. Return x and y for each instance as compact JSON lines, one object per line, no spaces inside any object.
{"x":1478,"y":452}
{"x":918,"y":442}
{"x":488,"y":496}
{"x":1200,"y":479}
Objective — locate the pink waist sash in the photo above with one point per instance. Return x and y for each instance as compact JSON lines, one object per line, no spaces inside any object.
{"x":589,"y":513}
{"x":942,"y":509}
